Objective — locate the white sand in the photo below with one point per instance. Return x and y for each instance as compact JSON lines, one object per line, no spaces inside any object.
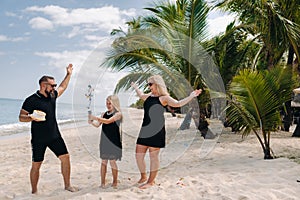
{"x":191,"y":168}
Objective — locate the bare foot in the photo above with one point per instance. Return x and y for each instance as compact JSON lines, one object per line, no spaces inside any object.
{"x":146,"y":185}
{"x":102,"y":186}
{"x":72,"y":189}
{"x":142,"y":180}
{"x":114,"y":185}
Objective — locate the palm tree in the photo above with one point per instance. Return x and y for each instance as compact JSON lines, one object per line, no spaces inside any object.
{"x":168,"y":43}
{"x":232,"y":51}
{"x":275,"y":26}
{"x":291,"y":10}
{"x":255,"y":101}
{"x":270,"y":23}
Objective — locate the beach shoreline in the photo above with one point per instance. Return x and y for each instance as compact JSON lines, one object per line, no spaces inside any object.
{"x":227,"y":167}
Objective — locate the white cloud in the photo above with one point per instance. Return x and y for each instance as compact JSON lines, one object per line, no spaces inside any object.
{"x":93,"y":41}
{"x":10,"y":14}
{"x":18,"y":39}
{"x":48,"y":10}
{"x":92,"y":19}
{"x":4,"y":38}
{"x":218,"y":25}
{"x":94,"y":38}
{"x":41,"y":23}
{"x":131,"y":12}
{"x":75,"y":31}
{"x":59,"y":59}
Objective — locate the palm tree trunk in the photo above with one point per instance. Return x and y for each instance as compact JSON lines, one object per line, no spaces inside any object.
{"x":261,"y":142}
{"x":267,"y":149}
{"x":265,"y":145}
{"x":268,"y":154}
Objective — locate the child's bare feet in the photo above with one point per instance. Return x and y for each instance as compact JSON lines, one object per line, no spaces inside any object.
{"x":146,"y":185}
{"x":142,"y":180}
{"x":114,"y":185}
{"x":72,"y":189}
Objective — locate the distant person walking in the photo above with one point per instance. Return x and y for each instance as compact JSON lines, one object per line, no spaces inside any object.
{"x":296,"y":132}
{"x":44,"y":129}
{"x":110,"y":139}
{"x":152,"y":134}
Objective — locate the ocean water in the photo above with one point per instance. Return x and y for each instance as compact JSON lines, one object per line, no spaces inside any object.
{"x":68,"y":115}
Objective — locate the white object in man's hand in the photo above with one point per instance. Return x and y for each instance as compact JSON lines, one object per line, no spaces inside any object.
{"x":38,"y":115}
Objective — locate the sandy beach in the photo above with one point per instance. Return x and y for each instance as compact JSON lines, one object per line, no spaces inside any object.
{"x":227,"y":167}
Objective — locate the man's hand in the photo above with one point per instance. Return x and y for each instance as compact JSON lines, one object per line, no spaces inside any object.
{"x":70,"y":69}
{"x":64,"y":84}
{"x":35,"y":119}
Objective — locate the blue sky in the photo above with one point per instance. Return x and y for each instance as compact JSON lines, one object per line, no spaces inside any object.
{"x":40,"y":37}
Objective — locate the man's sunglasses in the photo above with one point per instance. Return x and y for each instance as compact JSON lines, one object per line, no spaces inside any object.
{"x":52,"y":85}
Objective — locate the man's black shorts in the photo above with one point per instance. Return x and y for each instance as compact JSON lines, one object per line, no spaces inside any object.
{"x":57,"y":146}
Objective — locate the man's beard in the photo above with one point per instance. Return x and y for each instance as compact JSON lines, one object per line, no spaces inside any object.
{"x":50,"y":93}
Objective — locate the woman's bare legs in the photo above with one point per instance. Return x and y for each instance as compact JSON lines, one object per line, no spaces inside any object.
{"x":103,"y":172}
{"x":154,"y":166}
{"x":114,"y":171}
{"x":140,"y":152}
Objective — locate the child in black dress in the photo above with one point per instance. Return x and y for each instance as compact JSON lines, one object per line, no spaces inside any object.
{"x":110,"y":139}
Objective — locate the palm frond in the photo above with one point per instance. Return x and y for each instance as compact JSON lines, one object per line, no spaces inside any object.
{"x":125,"y":82}
{"x":254,"y":92}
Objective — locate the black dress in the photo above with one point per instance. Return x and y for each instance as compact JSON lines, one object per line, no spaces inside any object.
{"x":153,"y":131}
{"x":110,"y":140}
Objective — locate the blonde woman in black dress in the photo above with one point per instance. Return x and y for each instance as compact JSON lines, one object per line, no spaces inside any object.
{"x":152,"y":134}
{"x":110,"y":139}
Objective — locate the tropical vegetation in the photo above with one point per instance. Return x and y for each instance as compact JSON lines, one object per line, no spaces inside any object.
{"x":274,"y":26}
{"x":256,"y":58}
{"x":255,"y":102}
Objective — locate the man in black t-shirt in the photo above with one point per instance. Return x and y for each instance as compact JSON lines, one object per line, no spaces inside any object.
{"x":45,"y":132}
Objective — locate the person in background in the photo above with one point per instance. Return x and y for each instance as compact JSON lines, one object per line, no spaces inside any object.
{"x":45,"y":132}
{"x":110,"y":139}
{"x":152,"y":134}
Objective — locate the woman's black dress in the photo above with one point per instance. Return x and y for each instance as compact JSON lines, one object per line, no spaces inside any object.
{"x":110,"y":140}
{"x":153,"y":131}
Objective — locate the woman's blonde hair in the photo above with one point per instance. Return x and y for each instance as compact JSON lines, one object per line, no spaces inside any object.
{"x":114,"y":100}
{"x":160,"y":84}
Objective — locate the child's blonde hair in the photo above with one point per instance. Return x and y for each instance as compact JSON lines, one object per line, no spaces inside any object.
{"x":160,"y":84}
{"x":114,"y":100}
